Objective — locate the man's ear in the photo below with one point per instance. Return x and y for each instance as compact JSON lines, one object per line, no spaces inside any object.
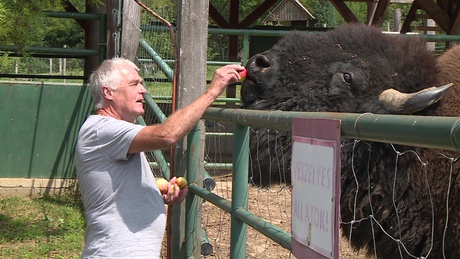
{"x":107,"y":93}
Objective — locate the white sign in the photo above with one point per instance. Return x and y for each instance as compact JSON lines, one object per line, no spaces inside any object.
{"x":314,"y":185}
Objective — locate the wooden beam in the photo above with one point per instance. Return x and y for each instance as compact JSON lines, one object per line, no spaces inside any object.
{"x":217,"y":17}
{"x":379,"y":12}
{"x":234,"y":13}
{"x":441,"y":18}
{"x":422,"y":16}
{"x":409,"y":18}
{"x":69,"y":7}
{"x":391,"y":1}
{"x":446,"y":5}
{"x":401,"y":1}
{"x":455,"y":18}
{"x":371,"y":7}
{"x":343,"y":9}
{"x":257,"y":13}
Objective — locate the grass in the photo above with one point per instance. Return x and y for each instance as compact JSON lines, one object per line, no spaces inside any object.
{"x":42,"y":227}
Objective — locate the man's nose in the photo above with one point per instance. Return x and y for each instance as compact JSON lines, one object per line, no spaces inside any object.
{"x":142,"y":88}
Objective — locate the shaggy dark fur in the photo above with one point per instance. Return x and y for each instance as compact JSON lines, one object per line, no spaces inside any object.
{"x":345,"y":70}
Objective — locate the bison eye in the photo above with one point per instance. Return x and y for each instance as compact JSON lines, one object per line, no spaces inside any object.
{"x":348,"y":79}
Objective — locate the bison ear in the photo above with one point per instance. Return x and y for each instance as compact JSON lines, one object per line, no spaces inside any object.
{"x":403,"y":103}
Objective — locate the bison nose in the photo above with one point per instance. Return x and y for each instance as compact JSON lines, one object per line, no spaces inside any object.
{"x":257,"y":64}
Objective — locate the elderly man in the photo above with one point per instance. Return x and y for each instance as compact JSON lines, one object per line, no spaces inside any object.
{"x":124,"y":210}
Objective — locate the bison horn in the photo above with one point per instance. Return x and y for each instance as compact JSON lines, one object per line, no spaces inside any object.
{"x":405,"y":103}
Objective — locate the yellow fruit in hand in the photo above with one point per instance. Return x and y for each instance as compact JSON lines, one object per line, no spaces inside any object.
{"x":162,"y":185}
{"x":181,"y":182}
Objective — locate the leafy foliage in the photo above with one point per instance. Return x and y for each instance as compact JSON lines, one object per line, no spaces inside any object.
{"x":21,"y":22}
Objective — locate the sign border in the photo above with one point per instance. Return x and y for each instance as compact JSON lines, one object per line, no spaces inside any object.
{"x":325,"y":130}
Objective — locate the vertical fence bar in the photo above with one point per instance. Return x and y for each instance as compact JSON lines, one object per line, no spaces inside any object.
{"x":102,"y":38}
{"x":193,"y":202}
{"x":245,"y":48}
{"x":239,"y":190}
{"x":161,"y":161}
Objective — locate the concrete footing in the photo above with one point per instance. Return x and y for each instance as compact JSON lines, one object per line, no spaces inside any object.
{"x":35,"y":187}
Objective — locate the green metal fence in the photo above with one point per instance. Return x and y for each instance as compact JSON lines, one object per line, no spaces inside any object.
{"x":432,"y":132}
{"x":39,"y":129}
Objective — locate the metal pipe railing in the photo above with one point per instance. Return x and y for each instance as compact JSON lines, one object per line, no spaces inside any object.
{"x":55,"y":52}
{"x":423,"y":131}
{"x":193,"y":202}
{"x":239,"y":190}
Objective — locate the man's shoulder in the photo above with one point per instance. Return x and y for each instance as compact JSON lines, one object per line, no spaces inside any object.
{"x":93,"y":120}
{"x":108,"y":125}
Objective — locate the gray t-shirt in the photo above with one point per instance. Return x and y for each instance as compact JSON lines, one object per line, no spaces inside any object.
{"x":124,"y":211}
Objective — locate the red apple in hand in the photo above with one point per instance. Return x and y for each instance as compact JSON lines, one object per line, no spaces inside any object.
{"x":243,"y":74}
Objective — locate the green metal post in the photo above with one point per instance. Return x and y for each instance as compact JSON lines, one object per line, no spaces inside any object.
{"x":245,"y":48}
{"x":155,"y":108}
{"x":102,"y":38}
{"x":206,"y":247}
{"x":193,"y":202}
{"x":239,"y":190}
{"x":164,"y":67}
{"x":162,"y":164}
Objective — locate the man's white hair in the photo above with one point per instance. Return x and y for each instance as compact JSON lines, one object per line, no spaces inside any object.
{"x":107,"y":74}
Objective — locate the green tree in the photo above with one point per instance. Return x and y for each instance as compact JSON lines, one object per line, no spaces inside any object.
{"x":58,"y":32}
{"x":324,"y":12}
{"x":24,"y":23}
{"x":21,"y":22}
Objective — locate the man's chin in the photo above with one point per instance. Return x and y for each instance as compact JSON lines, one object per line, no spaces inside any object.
{"x":140,"y":112}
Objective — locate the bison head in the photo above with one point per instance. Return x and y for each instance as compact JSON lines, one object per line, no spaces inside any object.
{"x":344,"y":70}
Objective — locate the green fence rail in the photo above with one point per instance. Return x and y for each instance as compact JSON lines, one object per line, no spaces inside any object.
{"x":423,"y":131}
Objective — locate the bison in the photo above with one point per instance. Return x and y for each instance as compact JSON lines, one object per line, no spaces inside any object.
{"x":358,"y":69}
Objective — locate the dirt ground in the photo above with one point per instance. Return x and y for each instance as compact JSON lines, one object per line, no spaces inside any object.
{"x":273,"y":205}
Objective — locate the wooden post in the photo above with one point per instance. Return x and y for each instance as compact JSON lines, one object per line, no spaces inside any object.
{"x":130,"y":23}
{"x":192,"y":39}
{"x":430,"y":23}
{"x":112,"y":23}
{"x":397,"y":20}
{"x":92,"y":28}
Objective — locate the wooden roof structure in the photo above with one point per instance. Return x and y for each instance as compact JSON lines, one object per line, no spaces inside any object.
{"x":444,"y":12}
{"x":289,"y":10}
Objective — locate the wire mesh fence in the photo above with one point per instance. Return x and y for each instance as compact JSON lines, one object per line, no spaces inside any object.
{"x":399,"y":202}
